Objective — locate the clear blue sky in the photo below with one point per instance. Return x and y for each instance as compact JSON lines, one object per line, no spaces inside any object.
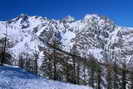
{"x":121,"y":11}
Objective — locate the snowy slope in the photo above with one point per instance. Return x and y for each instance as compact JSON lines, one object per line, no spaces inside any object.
{"x":16,"y":78}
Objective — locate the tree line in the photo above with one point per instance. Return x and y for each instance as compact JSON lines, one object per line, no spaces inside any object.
{"x":88,"y":71}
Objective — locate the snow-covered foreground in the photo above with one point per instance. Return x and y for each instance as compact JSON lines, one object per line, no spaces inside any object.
{"x":16,"y":78}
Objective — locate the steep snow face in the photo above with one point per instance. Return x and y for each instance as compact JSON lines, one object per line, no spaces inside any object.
{"x":16,"y":78}
{"x":20,"y":40}
{"x":94,"y":34}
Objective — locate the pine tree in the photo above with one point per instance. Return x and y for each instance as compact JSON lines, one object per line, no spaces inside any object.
{"x":21,"y":62}
{"x":92,"y":66}
{"x":124,"y":80}
{"x":3,"y":54}
{"x":84,"y":72}
{"x":55,"y":43}
{"x":55,"y":59}
{"x":115,"y":76}
{"x":36,"y":63}
{"x":99,"y":80}
{"x":46,"y":66}
{"x":78,"y":73}
{"x":68,"y":69}
{"x":131,"y":80}
{"x":76,"y":65}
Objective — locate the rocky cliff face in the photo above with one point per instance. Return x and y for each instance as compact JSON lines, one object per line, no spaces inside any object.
{"x":94,"y":34}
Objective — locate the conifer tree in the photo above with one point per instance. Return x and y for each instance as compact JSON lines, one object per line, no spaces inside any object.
{"x":3,"y":53}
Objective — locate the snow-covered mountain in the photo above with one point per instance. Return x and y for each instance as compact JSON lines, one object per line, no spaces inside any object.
{"x":94,"y":34}
{"x":16,"y":78}
{"x":28,"y":38}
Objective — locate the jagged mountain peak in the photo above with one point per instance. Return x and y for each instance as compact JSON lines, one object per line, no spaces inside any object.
{"x":20,"y":17}
{"x":68,"y":19}
{"x":97,"y":19}
{"x":23,"y":15}
{"x":91,"y":16}
{"x":27,"y":18}
{"x":92,"y":35}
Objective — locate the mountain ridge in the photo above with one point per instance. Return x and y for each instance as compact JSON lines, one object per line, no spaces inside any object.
{"x":96,"y":28}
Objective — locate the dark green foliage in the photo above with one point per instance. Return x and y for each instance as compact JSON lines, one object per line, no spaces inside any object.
{"x":5,"y":58}
{"x":28,"y":63}
{"x":124,"y":76}
{"x":115,"y":77}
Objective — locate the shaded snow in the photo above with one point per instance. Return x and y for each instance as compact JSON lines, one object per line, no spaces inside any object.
{"x":16,"y":78}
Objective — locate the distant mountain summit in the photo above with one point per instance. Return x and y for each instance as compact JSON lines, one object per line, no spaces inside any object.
{"x":94,"y":34}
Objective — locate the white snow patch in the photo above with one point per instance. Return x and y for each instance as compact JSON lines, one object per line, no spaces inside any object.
{"x":67,"y":39}
{"x":95,"y":52}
